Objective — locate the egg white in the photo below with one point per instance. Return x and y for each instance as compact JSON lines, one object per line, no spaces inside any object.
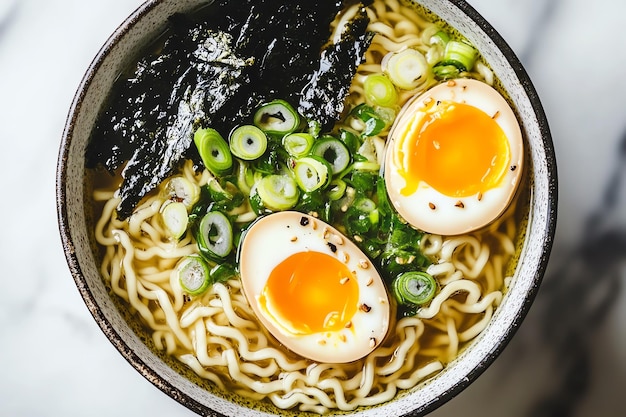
{"x":428,"y":209}
{"x":275,"y":237}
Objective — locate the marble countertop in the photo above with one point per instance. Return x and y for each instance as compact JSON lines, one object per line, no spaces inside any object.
{"x":569,"y":357}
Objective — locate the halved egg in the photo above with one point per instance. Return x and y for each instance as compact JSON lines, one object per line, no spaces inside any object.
{"x":454,"y":158}
{"x":312,"y":288}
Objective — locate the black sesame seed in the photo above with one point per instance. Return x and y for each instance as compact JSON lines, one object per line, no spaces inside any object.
{"x":304,"y":221}
{"x":332,"y":246}
{"x":513,"y":167}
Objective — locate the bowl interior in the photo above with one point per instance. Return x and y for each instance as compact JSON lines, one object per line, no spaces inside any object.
{"x":76,"y":231}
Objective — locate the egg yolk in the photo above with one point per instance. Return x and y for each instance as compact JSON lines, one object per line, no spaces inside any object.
{"x":456,"y":148}
{"x":311,"y":292}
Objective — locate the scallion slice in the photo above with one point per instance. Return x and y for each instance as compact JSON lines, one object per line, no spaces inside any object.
{"x":365,"y":205}
{"x":445,"y":72}
{"x":215,"y":236}
{"x":222,"y":272}
{"x":247,"y":142}
{"x":179,"y":188}
{"x":312,"y":172}
{"x":361,"y":217}
{"x":175,"y":219}
{"x":277,"y":117}
{"x":256,"y":203}
{"x":350,"y":139}
{"x":193,"y":275}
{"x":368,"y":208}
{"x":460,"y":54}
{"x":380,"y":90}
{"x":298,"y":144}
{"x":213,"y":150}
{"x":406,"y":69}
{"x":278,"y":192}
{"x":440,"y":38}
{"x":244,"y":174}
{"x":366,"y":166}
{"x":414,"y":287}
{"x":375,"y":119}
{"x":334,"y":151}
{"x":336,"y":189}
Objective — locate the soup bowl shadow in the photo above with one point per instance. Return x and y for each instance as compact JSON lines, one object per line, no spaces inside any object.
{"x":76,"y":222}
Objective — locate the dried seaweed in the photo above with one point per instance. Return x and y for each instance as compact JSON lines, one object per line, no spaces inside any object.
{"x":323,"y":97}
{"x":168,"y":97}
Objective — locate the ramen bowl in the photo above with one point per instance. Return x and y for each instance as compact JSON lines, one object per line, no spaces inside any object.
{"x":77,"y":222}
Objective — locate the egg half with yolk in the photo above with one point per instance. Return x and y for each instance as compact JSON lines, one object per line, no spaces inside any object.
{"x":312,"y":288}
{"x":454,"y":158}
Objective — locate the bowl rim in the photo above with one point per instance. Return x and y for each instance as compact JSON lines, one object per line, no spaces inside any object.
{"x":183,"y":398}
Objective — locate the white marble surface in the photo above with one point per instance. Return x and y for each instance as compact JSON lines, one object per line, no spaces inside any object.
{"x":569,"y":357}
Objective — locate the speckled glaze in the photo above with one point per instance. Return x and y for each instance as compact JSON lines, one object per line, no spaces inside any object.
{"x":142,"y":27}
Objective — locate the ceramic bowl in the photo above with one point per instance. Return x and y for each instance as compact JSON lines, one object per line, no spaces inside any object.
{"x":76,"y":224}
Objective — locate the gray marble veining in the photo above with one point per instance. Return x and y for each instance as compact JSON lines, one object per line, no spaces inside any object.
{"x":569,"y":356}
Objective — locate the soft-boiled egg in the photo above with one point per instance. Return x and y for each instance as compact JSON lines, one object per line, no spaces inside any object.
{"x":454,"y":158}
{"x":312,"y":288}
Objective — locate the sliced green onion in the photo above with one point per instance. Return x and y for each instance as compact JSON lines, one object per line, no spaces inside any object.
{"x":334,"y":151}
{"x":363,"y":182}
{"x":222,"y":272}
{"x":350,"y":139}
{"x":217,"y":192}
{"x":244,"y":177}
{"x":460,"y":54}
{"x":375,"y":121}
{"x":179,"y":188}
{"x":445,"y":72}
{"x":337,"y":189}
{"x":365,"y":205}
{"x":414,"y":287}
{"x":440,"y":38}
{"x":369,"y":208}
{"x":368,"y":150}
{"x":406,"y":69}
{"x":256,"y":203}
{"x":380,"y":90}
{"x":193,"y":275}
{"x":457,"y":57}
{"x":215,"y":236}
{"x":386,"y":114}
{"x":314,"y":128}
{"x":278,"y":192}
{"x":277,"y":117}
{"x":366,"y":166}
{"x":312,"y":172}
{"x":213,"y":150}
{"x":361,"y":217}
{"x":298,"y":144}
{"x":223,"y":195}
{"x":248,"y":142}
{"x":175,"y":219}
